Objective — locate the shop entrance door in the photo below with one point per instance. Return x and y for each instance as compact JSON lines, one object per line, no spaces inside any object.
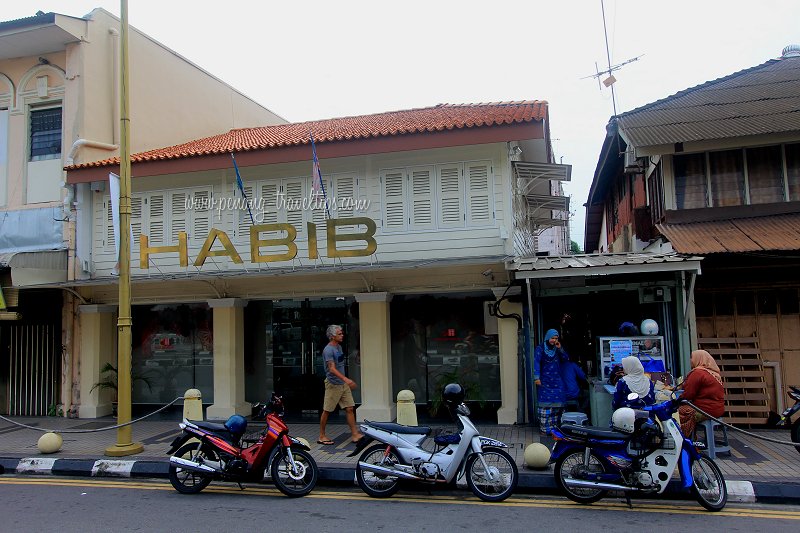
{"x":298,"y":340}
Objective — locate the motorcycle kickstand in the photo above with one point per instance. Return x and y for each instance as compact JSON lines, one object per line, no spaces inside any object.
{"x":628,"y":499}
{"x":241,"y":487}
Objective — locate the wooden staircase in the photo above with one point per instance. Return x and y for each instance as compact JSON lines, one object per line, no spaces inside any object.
{"x":742,"y":369}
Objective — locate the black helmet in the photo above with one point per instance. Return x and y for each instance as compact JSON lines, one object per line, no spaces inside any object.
{"x":236,"y":424}
{"x":453,"y":394}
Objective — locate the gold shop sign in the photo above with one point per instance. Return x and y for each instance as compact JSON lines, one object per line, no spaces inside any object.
{"x":257,"y":243}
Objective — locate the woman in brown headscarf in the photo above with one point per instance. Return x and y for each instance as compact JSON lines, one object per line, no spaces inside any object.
{"x":703,"y":387}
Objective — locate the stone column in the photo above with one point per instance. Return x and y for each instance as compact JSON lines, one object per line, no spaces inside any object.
{"x":509,"y":359}
{"x":228,"y":322}
{"x":377,"y":402}
{"x":98,"y":346}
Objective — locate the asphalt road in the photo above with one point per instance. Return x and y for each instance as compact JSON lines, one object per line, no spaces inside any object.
{"x":90,"y":504}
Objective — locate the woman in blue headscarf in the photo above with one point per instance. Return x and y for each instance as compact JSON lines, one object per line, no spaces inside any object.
{"x":547,"y":360}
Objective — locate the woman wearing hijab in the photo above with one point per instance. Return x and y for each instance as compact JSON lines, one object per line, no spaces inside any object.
{"x":703,"y":387}
{"x":547,"y":359}
{"x":634,"y":380}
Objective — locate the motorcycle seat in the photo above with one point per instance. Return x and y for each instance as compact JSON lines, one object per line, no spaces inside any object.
{"x":400,"y":428}
{"x":218,"y":429}
{"x":574,"y":430}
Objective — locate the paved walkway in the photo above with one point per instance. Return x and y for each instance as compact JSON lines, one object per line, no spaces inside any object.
{"x":772,"y":469}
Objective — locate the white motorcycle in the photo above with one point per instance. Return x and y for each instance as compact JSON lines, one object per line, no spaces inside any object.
{"x":491,"y":472}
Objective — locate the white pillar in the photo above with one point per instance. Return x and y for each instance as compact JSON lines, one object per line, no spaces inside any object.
{"x":228,"y":322}
{"x":509,"y":360}
{"x":377,"y":402}
{"x":98,"y":346}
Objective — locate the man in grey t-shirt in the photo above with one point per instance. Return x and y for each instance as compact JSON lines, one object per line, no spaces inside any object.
{"x":338,"y":387}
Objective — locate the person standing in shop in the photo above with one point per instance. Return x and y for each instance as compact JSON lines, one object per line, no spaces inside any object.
{"x":338,"y":387}
{"x":547,"y":360}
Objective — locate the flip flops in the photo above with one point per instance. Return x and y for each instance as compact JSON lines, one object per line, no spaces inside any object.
{"x":326,"y":442}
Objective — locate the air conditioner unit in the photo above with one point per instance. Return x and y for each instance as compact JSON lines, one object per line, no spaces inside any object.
{"x":649,"y":295}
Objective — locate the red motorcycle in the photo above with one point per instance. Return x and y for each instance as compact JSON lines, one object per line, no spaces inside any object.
{"x":218,"y":452}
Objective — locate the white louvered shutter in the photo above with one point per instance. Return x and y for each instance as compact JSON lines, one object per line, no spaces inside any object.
{"x":241,"y":215}
{"x":109,"y":224}
{"x":178,"y":215}
{"x":136,"y":220}
{"x":319,"y":216}
{"x":394,"y":196}
{"x":201,"y":215}
{"x":451,"y":196}
{"x":155,"y":219}
{"x":345,"y":194}
{"x":294,"y":192}
{"x":479,"y":208}
{"x":269,"y":203}
{"x":422,"y":197}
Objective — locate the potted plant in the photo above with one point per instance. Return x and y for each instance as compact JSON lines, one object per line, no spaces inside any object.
{"x":108,"y":381}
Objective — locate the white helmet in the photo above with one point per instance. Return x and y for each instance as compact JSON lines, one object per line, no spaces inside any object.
{"x":623,"y":420}
{"x":649,"y":327}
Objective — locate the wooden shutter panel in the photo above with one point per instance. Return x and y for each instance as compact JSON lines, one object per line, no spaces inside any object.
{"x":421,"y":197}
{"x":294,"y":191}
{"x":479,"y":208}
{"x":201,"y":215}
{"x":269,"y":203}
{"x":451,"y":195}
{"x":178,"y":218}
{"x":136,"y":220}
{"x":394,"y":194}
{"x":155,"y":219}
{"x":345,"y":191}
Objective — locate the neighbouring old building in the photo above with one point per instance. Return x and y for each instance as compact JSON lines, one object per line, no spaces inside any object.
{"x":59,"y":105}
{"x":714,"y":170}
{"x":404,"y":244}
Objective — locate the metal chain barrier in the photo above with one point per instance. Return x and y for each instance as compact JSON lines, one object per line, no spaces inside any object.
{"x":45,"y":430}
{"x":715,"y":419}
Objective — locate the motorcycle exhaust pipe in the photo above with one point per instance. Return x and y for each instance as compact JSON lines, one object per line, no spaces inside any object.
{"x":377,"y":469}
{"x":192,"y":466}
{"x":596,"y":485}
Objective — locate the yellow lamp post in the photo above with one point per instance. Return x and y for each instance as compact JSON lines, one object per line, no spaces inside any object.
{"x":125,"y":444}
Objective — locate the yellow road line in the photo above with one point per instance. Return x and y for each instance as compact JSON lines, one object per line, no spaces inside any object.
{"x":517,"y":502}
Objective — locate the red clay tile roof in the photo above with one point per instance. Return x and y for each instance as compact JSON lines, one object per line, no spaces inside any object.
{"x":757,"y":234}
{"x":393,"y":123}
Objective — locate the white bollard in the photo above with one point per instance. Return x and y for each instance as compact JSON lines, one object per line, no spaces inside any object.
{"x":192,"y":405}
{"x":50,"y":443}
{"x":406,"y":408}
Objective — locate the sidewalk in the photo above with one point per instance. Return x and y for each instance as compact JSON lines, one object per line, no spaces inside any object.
{"x":763,"y":471}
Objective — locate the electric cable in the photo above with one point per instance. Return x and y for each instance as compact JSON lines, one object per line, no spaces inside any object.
{"x":748,"y":433}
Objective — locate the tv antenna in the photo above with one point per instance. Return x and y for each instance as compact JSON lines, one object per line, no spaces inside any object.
{"x":610,"y":80}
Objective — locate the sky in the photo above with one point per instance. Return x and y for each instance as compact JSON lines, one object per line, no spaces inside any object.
{"x":327,"y":59}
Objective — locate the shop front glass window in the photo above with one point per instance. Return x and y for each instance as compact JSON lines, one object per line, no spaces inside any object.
{"x":173,"y":351}
{"x":441,"y":339}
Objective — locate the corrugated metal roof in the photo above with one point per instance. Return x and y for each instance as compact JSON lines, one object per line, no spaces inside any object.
{"x":595,"y":264}
{"x":761,"y":100}
{"x":757,"y":234}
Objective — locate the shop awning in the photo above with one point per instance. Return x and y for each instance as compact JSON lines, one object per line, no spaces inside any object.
{"x":560,"y":266}
{"x":755,"y":234}
{"x":35,"y":268}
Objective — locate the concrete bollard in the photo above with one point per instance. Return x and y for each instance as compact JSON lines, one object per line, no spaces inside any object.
{"x":406,"y":408}
{"x":192,"y":405}
{"x":50,"y":443}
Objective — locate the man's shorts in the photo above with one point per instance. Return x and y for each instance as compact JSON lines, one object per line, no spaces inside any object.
{"x":340,"y":395}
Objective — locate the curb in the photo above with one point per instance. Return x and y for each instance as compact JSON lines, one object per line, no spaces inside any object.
{"x":542,"y":482}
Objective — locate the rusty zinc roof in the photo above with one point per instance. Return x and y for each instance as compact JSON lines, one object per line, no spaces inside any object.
{"x":760,"y":100}
{"x":756,"y":234}
{"x":442,"y":117}
{"x":600,"y":264}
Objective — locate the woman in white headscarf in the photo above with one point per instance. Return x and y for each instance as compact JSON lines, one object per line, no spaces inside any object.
{"x":636,"y":381}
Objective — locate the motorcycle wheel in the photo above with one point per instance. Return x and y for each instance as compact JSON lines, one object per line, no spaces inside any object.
{"x":186,"y":481}
{"x":708,"y":484}
{"x":377,"y":485}
{"x":568,"y":466}
{"x":502,"y":479}
{"x":796,"y":434}
{"x":294,"y":484}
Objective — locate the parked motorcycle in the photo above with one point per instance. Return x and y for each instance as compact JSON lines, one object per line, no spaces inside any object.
{"x":786,"y":416}
{"x":219,"y":453}
{"x":638,"y":454}
{"x":491,"y":472}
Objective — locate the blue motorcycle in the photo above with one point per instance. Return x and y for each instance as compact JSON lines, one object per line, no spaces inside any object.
{"x":637,"y":455}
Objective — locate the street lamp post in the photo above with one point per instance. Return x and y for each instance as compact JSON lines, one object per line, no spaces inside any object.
{"x":125,"y":444}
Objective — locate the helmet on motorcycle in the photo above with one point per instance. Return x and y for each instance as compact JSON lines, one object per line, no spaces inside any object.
{"x":628,"y":329}
{"x":649,"y":327}
{"x":453,"y":394}
{"x":624,"y":420}
{"x":236,"y":424}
